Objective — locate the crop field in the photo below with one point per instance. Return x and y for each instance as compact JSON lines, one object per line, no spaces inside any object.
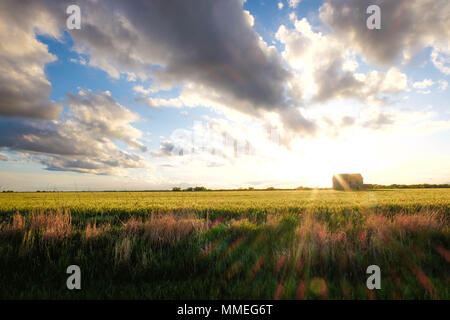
{"x":280,"y":244}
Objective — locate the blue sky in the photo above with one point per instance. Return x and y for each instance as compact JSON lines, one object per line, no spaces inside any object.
{"x":223,"y":94}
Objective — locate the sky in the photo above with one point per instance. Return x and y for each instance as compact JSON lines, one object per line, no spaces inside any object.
{"x":148,"y":95}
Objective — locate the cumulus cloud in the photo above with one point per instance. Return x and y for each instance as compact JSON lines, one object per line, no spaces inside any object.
{"x":294,"y":3}
{"x":3,"y":157}
{"x":165,"y":150}
{"x":280,"y":5}
{"x":84,"y":141}
{"x":194,"y":95}
{"x":426,"y":83}
{"x":380,"y":121}
{"x":326,"y":68}
{"x":217,"y":59}
{"x":101,"y":115}
{"x":443,"y":85}
{"x":213,"y":46}
{"x":24,"y":88}
{"x":441,"y":59}
{"x":424,"y":86}
{"x":407,"y":26}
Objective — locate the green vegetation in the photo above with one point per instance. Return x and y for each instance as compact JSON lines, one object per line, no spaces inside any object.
{"x":411,"y":186}
{"x":304,"y":244}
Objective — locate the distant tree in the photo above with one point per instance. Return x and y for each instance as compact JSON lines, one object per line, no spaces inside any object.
{"x":189,"y":189}
{"x":251,"y":188}
{"x":270,"y":188}
{"x":200,"y":189}
{"x":303,"y":188}
{"x":176,"y":189}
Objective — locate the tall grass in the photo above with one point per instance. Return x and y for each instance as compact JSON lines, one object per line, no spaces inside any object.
{"x":314,"y":252}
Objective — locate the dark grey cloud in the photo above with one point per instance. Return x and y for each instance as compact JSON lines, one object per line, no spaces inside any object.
{"x":211,"y":42}
{"x":334,"y":82}
{"x":166,"y":149}
{"x":83,"y":142}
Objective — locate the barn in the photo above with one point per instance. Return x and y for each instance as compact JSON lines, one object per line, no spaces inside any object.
{"x":348,"y":181}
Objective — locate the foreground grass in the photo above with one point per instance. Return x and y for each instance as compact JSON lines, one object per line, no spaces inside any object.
{"x":226,"y":245}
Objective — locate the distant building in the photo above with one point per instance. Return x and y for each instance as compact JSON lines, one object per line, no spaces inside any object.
{"x":348,"y":181}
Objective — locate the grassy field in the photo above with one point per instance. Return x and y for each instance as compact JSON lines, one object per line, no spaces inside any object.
{"x":227,"y":244}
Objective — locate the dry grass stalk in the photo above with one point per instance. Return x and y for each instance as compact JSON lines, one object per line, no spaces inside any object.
{"x":133,"y":226}
{"x":122,"y":250}
{"x":166,"y":229}
{"x":56,"y":225}
{"x":92,"y":231}
{"x":18,"y":225}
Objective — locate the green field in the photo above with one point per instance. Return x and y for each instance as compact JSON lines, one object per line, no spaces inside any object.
{"x":226,"y":244}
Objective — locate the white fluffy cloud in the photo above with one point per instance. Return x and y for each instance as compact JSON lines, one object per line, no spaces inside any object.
{"x":293,"y":3}
{"x":441,"y":58}
{"x":326,"y":68}
{"x":423,"y":84}
{"x":24,"y":88}
{"x":443,"y":85}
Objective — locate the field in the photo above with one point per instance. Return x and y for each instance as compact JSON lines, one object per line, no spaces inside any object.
{"x":226,"y":244}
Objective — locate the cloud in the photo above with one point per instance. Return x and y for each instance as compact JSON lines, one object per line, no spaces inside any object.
{"x":215,"y":57}
{"x":407,"y":26}
{"x":280,"y":5}
{"x":214,"y":46}
{"x":443,"y":85}
{"x":165,"y":150}
{"x":80,"y":60}
{"x":423,"y":84}
{"x":441,"y":58}
{"x":84,"y":141}
{"x":325,"y":68}
{"x":194,"y":95}
{"x":347,"y":121}
{"x":379,"y":122}
{"x":24,"y":88}
{"x":101,"y":115}
{"x":293,"y":3}
{"x":3,"y":157}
